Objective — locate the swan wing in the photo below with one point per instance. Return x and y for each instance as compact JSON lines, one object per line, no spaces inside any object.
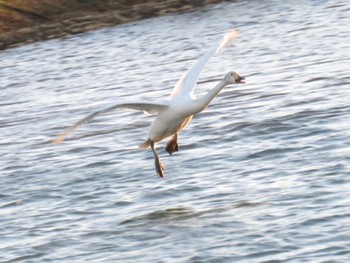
{"x":151,"y":108}
{"x":189,"y":79}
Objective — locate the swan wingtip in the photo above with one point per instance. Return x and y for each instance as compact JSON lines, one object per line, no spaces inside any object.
{"x":230,"y":35}
{"x":57,"y":141}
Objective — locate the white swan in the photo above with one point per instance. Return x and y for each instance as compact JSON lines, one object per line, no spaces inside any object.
{"x":175,"y":114}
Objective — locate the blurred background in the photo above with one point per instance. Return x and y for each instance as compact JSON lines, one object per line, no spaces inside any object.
{"x":25,"y":21}
{"x":262,"y":175}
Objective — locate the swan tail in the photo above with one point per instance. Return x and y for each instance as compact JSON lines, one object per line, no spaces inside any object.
{"x":145,"y":145}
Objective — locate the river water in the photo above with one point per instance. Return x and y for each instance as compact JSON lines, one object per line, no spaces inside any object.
{"x":262,"y":175}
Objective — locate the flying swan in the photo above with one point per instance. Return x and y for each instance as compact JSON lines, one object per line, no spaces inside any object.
{"x":172,"y":115}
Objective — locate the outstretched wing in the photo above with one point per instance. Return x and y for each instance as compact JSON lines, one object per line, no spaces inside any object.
{"x":142,"y":106}
{"x":188,"y":80}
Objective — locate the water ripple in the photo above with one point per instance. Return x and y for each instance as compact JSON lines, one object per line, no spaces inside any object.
{"x":261,"y":175}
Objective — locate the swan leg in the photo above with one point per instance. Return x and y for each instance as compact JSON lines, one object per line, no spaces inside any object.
{"x":157,"y":162}
{"x":172,"y":145}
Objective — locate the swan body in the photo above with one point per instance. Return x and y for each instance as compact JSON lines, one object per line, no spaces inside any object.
{"x":174,"y":114}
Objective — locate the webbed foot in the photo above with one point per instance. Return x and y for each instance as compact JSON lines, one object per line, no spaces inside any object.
{"x":159,"y":167}
{"x":157,"y":162}
{"x":172,"y":145}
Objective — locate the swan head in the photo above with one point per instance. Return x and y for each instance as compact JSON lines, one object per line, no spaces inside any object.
{"x":233,"y":78}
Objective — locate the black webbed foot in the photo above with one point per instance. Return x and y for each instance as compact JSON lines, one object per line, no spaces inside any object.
{"x":172,"y":146}
{"x":159,"y":167}
{"x":157,"y":162}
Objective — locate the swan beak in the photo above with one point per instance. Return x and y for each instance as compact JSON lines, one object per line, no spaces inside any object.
{"x":240,"y":80}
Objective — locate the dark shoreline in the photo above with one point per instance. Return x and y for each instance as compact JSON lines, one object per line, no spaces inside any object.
{"x":23,"y":23}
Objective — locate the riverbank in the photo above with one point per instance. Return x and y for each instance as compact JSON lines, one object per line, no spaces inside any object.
{"x":27,"y":21}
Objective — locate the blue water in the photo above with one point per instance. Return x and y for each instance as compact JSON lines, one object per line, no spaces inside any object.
{"x":261,"y":176}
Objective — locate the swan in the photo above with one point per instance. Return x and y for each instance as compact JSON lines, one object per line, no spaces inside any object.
{"x":174,"y":114}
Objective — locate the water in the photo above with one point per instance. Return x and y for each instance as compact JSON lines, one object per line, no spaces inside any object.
{"x":262,"y":175}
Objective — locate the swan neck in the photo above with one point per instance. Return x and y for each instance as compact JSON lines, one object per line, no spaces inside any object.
{"x":206,"y":99}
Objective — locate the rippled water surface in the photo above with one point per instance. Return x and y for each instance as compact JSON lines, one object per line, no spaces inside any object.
{"x":262,"y":175}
